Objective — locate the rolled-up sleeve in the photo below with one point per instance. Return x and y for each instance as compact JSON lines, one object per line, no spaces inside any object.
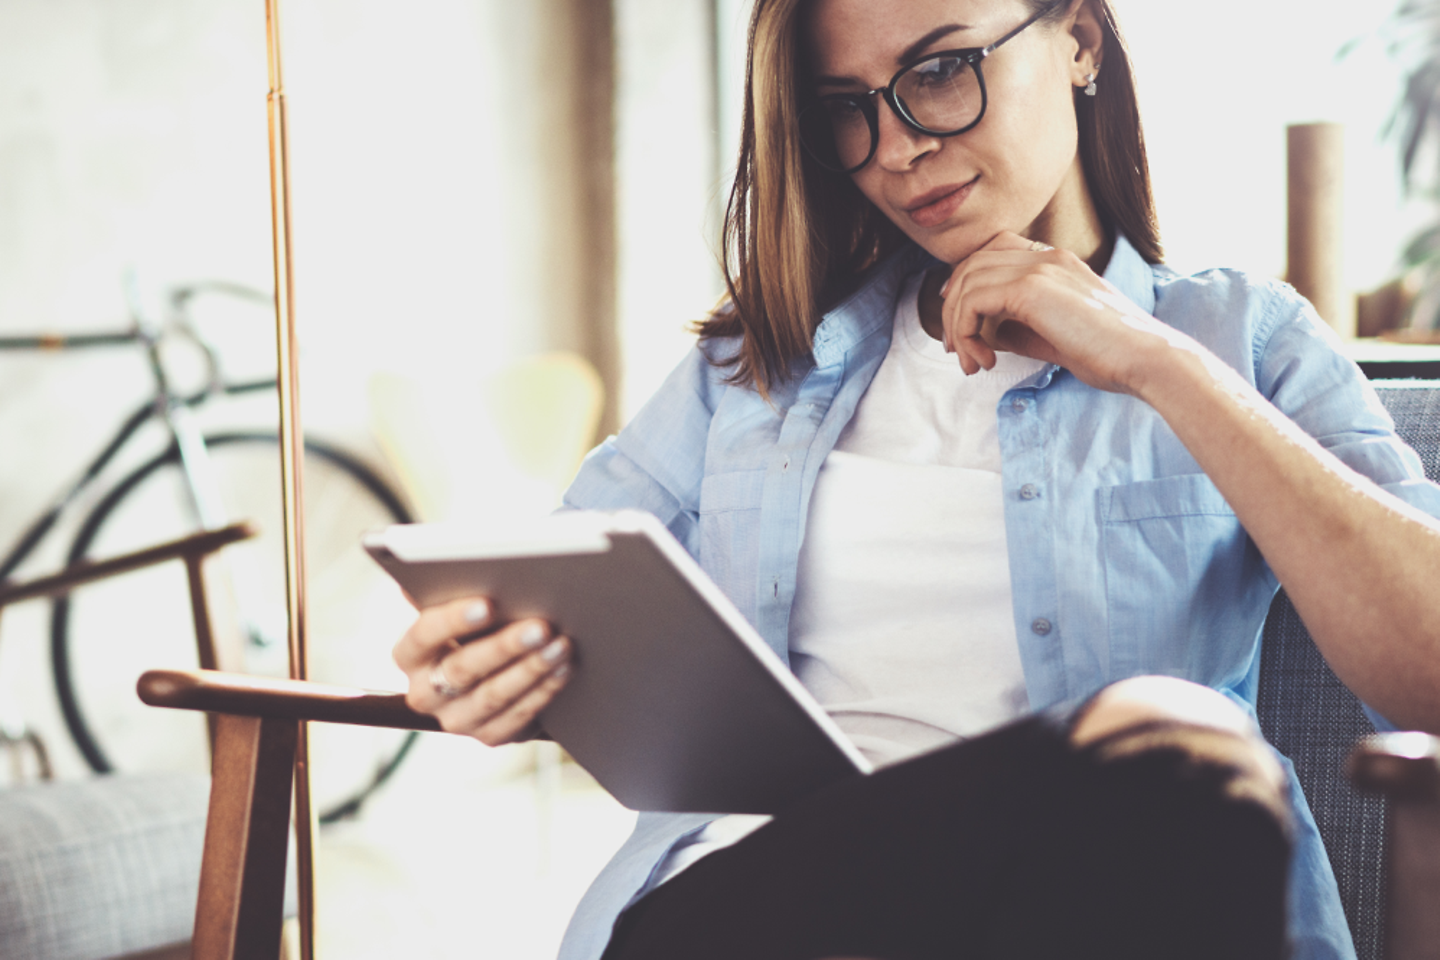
{"x":657,"y":462}
{"x":1301,"y":369}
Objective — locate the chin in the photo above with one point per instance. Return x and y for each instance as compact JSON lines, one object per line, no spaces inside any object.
{"x":953,"y":246}
{"x":954,"y":243}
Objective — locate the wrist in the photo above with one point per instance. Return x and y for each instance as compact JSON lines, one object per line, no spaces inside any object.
{"x":1170,"y":367}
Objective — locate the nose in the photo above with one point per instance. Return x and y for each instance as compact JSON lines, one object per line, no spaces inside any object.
{"x":900,"y":144}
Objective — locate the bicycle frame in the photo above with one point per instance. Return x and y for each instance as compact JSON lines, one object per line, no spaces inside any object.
{"x":166,"y":404}
{"x":197,"y":463}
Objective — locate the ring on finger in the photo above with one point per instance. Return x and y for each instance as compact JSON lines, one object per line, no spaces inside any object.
{"x":440,"y":683}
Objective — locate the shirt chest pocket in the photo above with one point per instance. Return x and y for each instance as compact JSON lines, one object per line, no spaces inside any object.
{"x":730,"y":532}
{"x":1182,"y":580}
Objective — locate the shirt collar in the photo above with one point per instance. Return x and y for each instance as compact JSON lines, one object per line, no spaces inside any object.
{"x":1128,"y":272}
{"x":872,"y":306}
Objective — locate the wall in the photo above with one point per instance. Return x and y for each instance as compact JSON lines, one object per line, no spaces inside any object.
{"x":1218,"y":84}
{"x":435,"y":214}
{"x":670,"y":180}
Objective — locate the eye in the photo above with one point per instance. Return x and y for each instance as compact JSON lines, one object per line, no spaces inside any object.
{"x":939,"y":71}
{"x":844,"y":111}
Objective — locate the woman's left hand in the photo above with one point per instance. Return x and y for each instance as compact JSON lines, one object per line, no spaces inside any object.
{"x":1048,"y":305}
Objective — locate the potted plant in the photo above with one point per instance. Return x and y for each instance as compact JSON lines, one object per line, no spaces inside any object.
{"x":1414,"y":40}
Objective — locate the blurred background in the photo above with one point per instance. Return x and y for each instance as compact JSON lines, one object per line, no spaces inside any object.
{"x":478,"y":186}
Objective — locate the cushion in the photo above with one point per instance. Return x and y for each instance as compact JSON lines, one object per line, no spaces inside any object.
{"x":100,"y":867}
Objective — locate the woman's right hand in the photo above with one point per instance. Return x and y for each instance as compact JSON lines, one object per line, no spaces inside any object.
{"x":479,"y":677}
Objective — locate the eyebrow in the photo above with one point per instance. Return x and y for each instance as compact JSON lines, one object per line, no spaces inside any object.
{"x":918,"y":47}
{"x":910,"y":53}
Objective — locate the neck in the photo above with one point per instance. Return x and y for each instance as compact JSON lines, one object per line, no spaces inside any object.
{"x":1071,"y":222}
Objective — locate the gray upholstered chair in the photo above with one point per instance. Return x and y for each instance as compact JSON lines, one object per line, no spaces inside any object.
{"x":1309,"y":715}
{"x":107,"y":866}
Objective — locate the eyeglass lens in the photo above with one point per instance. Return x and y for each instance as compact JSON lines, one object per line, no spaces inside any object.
{"x":943,"y":95}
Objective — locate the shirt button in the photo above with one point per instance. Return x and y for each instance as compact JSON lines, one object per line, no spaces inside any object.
{"x":1029,"y":492}
{"x":785,"y":465}
{"x":1019,"y":404}
{"x":1040,"y":626}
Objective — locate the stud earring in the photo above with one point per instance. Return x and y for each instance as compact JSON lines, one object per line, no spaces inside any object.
{"x":1090,"y":79}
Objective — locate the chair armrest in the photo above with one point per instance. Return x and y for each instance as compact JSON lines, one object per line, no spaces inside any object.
{"x":1405,"y":767}
{"x":195,"y":545}
{"x":1400,"y":765}
{"x":270,"y":698}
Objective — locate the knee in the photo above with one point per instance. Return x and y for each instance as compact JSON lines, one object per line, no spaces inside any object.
{"x":1181,"y":814}
{"x":1148,"y":700}
{"x":1142,"y":714}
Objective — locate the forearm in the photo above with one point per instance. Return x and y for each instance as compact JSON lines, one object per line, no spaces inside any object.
{"x":1361,"y":566}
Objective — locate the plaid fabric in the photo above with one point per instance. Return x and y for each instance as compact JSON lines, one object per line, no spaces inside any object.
{"x":1309,"y":715}
{"x":1415,"y":406}
{"x":100,"y":867}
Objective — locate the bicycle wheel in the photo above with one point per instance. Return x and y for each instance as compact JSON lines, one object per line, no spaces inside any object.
{"x":106,"y":634}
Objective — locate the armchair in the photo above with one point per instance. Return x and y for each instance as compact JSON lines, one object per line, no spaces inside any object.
{"x":108,"y":865}
{"x":1310,"y":716}
{"x":1303,"y":708}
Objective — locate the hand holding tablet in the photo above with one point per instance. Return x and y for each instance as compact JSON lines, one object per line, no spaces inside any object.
{"x":479,"y":676}
{"x":660,"y":688}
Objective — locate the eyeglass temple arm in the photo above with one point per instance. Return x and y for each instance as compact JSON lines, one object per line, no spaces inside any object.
{"x":986,"y":51}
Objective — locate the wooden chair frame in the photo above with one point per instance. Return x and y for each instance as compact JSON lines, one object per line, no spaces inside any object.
{"x":194,"y":550}
{"x":1405,"y":768}
{"x":242,"y":878}
{"x":242,"y":881}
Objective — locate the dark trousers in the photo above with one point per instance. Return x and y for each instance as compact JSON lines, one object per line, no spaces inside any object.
{"x":1159,"y":842}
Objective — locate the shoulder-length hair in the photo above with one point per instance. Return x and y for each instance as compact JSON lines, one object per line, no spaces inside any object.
{"x":797,"y":238}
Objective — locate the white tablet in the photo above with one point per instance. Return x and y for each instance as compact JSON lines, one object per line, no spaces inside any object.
{"x":676,"y":703}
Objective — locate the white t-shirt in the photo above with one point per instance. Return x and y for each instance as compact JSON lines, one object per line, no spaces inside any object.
{"x":903,"y":627}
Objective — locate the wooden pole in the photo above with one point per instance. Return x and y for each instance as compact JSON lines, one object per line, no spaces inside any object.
{"x":292,"y":465}
{"x":1315,"y":157}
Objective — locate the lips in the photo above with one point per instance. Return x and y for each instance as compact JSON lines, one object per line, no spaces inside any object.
{"x":936,"y":206}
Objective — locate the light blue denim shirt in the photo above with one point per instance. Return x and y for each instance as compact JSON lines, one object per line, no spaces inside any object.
{"x":1124,"y":557}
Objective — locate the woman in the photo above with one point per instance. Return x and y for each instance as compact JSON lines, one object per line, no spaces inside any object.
{"x":1111,"y":484}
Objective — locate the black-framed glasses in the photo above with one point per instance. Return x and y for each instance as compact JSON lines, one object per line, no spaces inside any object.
{"x":942,"y":95}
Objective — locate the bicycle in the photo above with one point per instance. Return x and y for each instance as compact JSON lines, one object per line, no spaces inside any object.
{"x":200,"y":480}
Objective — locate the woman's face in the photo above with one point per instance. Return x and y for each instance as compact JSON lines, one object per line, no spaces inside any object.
{"x":1016,"y":170}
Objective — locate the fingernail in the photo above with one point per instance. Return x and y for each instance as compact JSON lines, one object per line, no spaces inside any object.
{"x":561,"y":672}
{"x":554,"y":651}
{"x":944,"y":288}
{"x":532,"y":636}
{"x":477,"y":612}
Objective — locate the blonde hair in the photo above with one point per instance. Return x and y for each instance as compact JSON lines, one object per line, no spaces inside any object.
{"x":798,"y":238}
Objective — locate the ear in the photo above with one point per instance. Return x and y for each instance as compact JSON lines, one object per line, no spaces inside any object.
{"x":1089,"y":41}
